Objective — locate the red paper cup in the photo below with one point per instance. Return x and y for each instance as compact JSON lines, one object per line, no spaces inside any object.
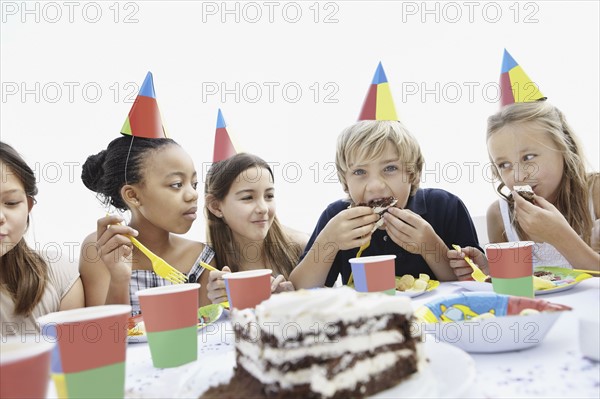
{"x":24,"y":367}
{"x":511,"y":267}
{"x":89,"y":356}
{"x":171,"y":318}
{"x":249,"y":288}
{"x":374,"y":273}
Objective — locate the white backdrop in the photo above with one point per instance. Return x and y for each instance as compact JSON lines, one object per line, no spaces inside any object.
{"x":289,"y":76}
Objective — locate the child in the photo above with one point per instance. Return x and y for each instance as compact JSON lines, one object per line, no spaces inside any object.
{"x":377,"y":159}
{"x":242,"y":225}
{"x":29,"y":286}
{"x":530,"y":143}
{"x":155,"y":179}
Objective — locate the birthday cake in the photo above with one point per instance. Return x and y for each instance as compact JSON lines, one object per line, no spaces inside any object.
{"x":325,"y":343}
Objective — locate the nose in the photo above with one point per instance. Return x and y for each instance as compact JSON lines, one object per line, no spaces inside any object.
{"x":191,"y":194}
{"x":261,"y":206}
{"x":2,"y":217}
{"x":522,"y":172}
{"x":375,"y":185}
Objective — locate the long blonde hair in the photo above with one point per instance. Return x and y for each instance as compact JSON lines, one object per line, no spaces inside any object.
{"x":23,"y":273}
{"x":278,"y":248}
{"x":573,"y":193}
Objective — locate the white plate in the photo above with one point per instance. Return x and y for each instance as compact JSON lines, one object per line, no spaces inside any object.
{"x":478,"y":286}
{"x":412,"y":294}
{"x":448,"y":374}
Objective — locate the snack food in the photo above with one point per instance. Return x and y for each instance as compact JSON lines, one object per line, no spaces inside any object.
{"x":330,"y":343}
{"x":380,"y":206}
{"x":525,"y":191}
{"x":409,"y":284}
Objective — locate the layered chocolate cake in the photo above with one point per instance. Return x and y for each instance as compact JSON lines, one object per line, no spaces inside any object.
{"x":324,"y":343}
{"x":380,"y":206}
{"x":525,"y":191}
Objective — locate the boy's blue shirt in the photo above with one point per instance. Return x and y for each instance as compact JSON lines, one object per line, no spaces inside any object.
{"x":444,"y":211}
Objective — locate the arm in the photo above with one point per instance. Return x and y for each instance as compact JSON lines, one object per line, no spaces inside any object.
{"x":103,"y":265}
{"x":495,"y":225}
{"x":203,"y":295}
{"x":544,"y":223}
{"x":350,"y":228}
{"x":74,"y":298}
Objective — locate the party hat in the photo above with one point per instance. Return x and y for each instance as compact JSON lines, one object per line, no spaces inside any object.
{"x":379,"y":104}
{"x":515,"y":85}
{"x":224,"y":147}
{"x":144,"y":119}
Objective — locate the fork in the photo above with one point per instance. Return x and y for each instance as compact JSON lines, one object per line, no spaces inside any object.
{"x":477,"y":274}
{"x":214,"y":269}
{"x":358,"y":254}
{"x":160,"y":266}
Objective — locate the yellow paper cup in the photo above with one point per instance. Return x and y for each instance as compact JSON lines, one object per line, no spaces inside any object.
{"x":24,"y":367}
{"x":249,"y":288}
{"x":171,"y":318}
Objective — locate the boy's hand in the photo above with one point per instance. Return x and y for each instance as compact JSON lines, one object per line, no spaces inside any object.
{"x":542,"y":222}
{"x":460,"y":267}
{"x":350,"y":228}
{"x":410,"y":231}
{"x":216,"y":290}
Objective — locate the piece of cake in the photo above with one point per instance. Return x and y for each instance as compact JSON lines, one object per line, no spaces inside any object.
{"x":380,"y":206}
{"x":326,"y":343}
{"x":525,"y":191}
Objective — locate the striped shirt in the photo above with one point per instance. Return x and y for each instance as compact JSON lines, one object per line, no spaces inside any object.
{"x":142,"y":279}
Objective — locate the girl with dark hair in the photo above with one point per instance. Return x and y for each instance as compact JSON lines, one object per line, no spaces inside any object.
{"x":242,"y":225}
{"x":156,"y":181}
{"x":29,"y":286}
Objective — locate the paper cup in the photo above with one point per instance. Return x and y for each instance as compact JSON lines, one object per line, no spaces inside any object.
{"x":88,"y":360}
{"x":511,"y":267}
{"x":374,"y":274}
{"x":24,"y":367}
{"x":171,"y":319}
{"x":249,"y":288}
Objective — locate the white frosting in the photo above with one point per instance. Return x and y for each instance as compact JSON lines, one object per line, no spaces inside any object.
{"x":316,"y":375}
{"x":324,"y":350}
{"x":315,"y":311}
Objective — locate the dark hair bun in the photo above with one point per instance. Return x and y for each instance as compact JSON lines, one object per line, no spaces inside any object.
{"x":93,"y":171}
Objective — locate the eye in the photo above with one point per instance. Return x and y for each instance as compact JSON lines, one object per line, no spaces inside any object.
{"x":246,"y":198}
{"x":12,"y":203}
{"x":528,"y":157}
{"x":390,"y":168}
{"x":359,"y":172}
{"x":504,"y":165}
{"x":195,"y":185}
{"x":270,"y":196}
{"x":177,"y":185}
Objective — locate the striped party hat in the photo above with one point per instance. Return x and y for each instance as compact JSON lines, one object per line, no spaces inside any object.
{"x":515,"y":85}
{"x":144,"y":118}
{"x":224,"y":147}
{"x":379,"y":104}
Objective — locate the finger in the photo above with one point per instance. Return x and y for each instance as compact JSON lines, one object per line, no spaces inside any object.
{"x":397,"y":227}
{"x":471,"y":252}
{"x":358,"y":211}
{"x":114,"y":243}
{"x":363,"y":232}
{"x":405,"y":216}
{"x":116,"y":230}
{"x":453,"y":254}
{"x":275,"y":283}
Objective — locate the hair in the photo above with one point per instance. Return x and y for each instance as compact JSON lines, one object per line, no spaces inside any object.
{"x":278,"y":248}
{"x":366,"y":140}
{"x":23,"y":272}
{"x":573,"y":192}
{"x":121,"y":163}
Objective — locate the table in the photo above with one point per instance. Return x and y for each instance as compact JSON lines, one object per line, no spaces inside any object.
{"x":554,"y":368}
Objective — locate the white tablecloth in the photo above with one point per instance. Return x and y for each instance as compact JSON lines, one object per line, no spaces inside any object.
{"x":554,"y":368}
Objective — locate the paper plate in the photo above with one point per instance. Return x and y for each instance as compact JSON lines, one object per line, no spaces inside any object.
{"x":431,"y":286}
{"x":452,"y":319}
{"x":568,"y":279}
{"x":136,"y":332}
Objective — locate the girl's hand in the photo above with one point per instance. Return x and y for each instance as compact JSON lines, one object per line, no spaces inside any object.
{"x":216,"y":291}
{"x":279,"y":284}
{"x":114,"y":247}
{"x":410,"y":231}
{"x":351,"y":228}
{"x":542,"y":223}
{"x":460,"y":267}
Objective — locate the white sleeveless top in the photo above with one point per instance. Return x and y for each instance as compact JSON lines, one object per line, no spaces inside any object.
{"x":545,"y":254}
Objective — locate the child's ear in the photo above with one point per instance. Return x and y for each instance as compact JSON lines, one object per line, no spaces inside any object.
{"x":130,"y":196}
{"x":30,"y":203}
{"x":214,"y":206}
